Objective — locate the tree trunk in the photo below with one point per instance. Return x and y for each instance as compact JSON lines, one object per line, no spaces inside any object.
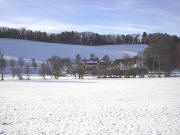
{"x":2,"y":77}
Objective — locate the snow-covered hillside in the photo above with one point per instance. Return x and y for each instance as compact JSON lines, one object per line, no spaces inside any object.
{"x":147,"y":106}
{"x":42,"y":50}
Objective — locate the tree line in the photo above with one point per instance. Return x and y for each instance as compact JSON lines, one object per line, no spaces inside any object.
{"x":84,"y":38}
{"x":73,"y":37}
{"x":56,"y":67}
{"x":163,"y":53}
{"x":18,"y":67}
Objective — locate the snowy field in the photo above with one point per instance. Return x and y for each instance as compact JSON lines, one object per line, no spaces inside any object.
{"x":149,"y":106}
{"x":43,"y":50}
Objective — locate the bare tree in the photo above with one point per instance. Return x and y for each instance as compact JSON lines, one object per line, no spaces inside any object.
{"x":56,"y":66}
{"x":49,"y":69}
{"x":34,"y":64}
{"x":19,"y":73}
{"x":71,"y":70}
{"x":2,"y":65}
{"x":28,"y":70}
{"x":67,"y":62}
{"x":106,"y":60}
{"x":92,"y":57}
{"x":78,"y":59}
{"x":81,"y":70}
{"x":43,"y":70}
{"x":12,"y":64}
{"x":21,"y":64}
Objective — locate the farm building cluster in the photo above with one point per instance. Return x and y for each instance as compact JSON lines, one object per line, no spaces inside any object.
{"x":126,"y":67}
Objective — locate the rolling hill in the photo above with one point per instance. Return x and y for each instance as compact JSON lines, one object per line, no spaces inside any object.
{"x":42,"y":50}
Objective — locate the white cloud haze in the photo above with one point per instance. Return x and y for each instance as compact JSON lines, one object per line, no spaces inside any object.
{"x":115,"y":16}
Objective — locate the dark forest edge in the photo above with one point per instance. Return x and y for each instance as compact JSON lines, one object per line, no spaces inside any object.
{"x":76,"y":38}
{"x":72,"y":37}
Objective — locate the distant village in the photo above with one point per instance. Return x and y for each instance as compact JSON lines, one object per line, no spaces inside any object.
{"x":126,"y":67}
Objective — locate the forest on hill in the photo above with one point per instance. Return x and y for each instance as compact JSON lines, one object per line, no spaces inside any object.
{"x":72,"y":37}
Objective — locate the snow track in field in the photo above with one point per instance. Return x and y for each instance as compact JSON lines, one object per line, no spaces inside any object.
{"x":147,"y":106}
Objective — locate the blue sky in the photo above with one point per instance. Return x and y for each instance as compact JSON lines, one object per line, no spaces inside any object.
{"x":102,"y":16}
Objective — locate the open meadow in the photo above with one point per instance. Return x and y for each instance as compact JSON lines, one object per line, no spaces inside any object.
{"x":68,"y":106}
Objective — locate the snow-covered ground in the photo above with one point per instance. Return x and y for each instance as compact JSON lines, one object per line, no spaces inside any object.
{"x":44,"y":50}
{"x":149,"y":106}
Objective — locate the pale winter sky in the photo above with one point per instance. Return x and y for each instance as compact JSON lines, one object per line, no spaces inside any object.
{"x":102,"y":16}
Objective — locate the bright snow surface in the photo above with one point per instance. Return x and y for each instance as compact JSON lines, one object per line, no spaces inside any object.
{"x":43,"y":51}
{"x":149,"y":106}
